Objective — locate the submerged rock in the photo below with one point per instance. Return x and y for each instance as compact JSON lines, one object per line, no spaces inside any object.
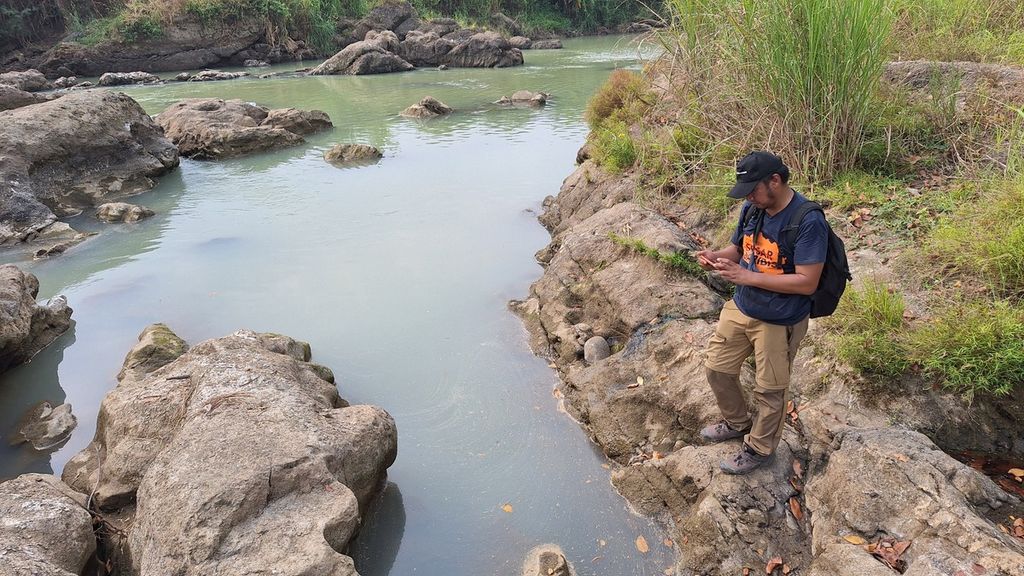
{"x":215,"y":75}
{"x":26,"y":327}
{"x":352,"y":153}
{"x":122,"y":212}
{"x":45,"y":426}
{"x":553,"y":44}
{"x":520,"y":42}
{"x":121,"y":78}
{"x":80,"y":150}
{"x":211,"y":128}
{"x":46,"y":528}
{"x":427,"y":108}
{"x":251,"y":447}
{"x":547,"y":560}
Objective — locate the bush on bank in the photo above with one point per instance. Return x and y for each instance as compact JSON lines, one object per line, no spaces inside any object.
{"x":938,"y":171}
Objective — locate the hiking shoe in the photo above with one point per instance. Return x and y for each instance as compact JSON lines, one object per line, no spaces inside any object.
{"x":744,"y":461}
{"x":720,"y":432}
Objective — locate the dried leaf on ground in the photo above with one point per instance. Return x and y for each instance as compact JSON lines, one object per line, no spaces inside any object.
{"x":854,"y":539}
{"x":773,"y":564}
{"x":889,"y":551}
{"x":786,"y":569}
{"x":668,"y":542}
{"x":1017,"y":473}
{"x":798,"y":469}
{"x":641,"y":545}
{"x":794,"y":507}
{"x":746,"y":572}
{"x":507,"y":508}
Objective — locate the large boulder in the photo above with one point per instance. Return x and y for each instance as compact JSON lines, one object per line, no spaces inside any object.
{"x":211,"y":128}
{"x":46,"y":528}
{"x":428,"y":107}
{"x":375,"y":55}
{"x":343,"y":154}
{"x":397,"y":16}
{"x":45,"y":426}
{"x":552,"y":44}
{"x":122,"y":78}
{"x":425,"y":48}
{"x":484,"y":50}
{"x":28,"y":80}
{"x":27,"y":327}
{"x":12,"y":97}
{"x":122,"y":212}
{"x":217,"y":461}
{"x":60,"y":157}
{"x":897,"y":483}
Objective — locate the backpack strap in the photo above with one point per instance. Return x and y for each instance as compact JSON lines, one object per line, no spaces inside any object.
{"x":788,"y":234}
{"x":751,"y":212}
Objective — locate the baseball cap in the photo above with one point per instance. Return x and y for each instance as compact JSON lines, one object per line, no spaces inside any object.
{"x":753,"y":168}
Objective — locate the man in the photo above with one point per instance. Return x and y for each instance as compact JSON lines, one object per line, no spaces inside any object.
{"x":769,"y":312}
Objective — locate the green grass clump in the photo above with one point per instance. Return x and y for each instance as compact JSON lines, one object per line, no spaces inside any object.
{"x":983,"y":240}
{"x":974,"y":348}
{"x":869,"y":325}
{"x":679,"y":261}
{"x":625,"y":94}
{"x":952,"y":30}
{"x":613,"y":146}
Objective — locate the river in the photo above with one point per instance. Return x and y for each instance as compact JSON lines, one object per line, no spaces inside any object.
{"x":398,"y":274}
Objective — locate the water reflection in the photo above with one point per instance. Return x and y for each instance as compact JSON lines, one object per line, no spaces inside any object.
{"x":378,"y":542}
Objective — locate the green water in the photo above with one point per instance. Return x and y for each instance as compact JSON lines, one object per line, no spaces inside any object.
{"x":398,"y":274}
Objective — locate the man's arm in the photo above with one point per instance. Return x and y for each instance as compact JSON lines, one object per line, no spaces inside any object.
{"x":804,"y":281}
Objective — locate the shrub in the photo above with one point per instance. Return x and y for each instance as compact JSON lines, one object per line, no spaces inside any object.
{"x":613,"y":146}
{"x":679,"y":261}
{"x":869,"y":326}
{"x":624,"y":92}
{"x":974,"y":348}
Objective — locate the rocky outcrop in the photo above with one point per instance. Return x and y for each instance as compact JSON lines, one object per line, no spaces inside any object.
{"x":122,"y":78}
{"x":552,"y":44}
{"x":428,"y":107}
{"x":11,"y":98}
{"x":45,"y":426}
{"x":26,"y":327}
{"x":375,"y":55}
{"x":547,"y":560}
{"x":46,"y":529}
{"x":342,"y":154}
{"x":249,"y":445}
{"x":85,"y":148}
{"x":210,"y":76}
{"x":520,"y":42}
{"x":484,"y":50}
{"x":425,"y":48}
{"x":525,"y":97}
{"x":211,"y":128}
{"x":122,"y":212}
{"x":839,"y":476}
{"x":395,"y":16}
{"x":28,"y":80}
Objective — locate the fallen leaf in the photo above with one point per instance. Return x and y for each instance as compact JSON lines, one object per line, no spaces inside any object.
{"x":789,"y":406}
{"x":854,"y":539}
{"x":746,"y":572}
{"x":668,"y":542}
{"x":631,"y":386}
{"x":786,"y":569}
{"x":798,"y":469}
{"x":978,"y":569}
{"x":551,"y":571}
{"x":641,"y":545}
{"x":796,"y":484}
{"x":901,"y":457}
{"x":773,"y":564}
{"x":1017,"y":473}
{"x":640,"y":380}
{"x":557,"y":393}
{"x":794,"y":507}
{"x":602,"y":543}
{"x":507,"y":508}
{"x":668,"y":571}
{"x":596,"y":559}
{"x":657,"y":455}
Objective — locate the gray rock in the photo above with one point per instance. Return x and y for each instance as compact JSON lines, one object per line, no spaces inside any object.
{"x":484,"y":50}
{"x":73,"y":153}
{"x":45,"y":426}
{"x":216,"y":75}
{"x":46,"y":529}
{"x":506,"y":24}
{"x":520,"y":42}
{"x":375,"y":55}
{"x":211,"y":128}
{"x":29,"y":81}
{"x":596,"y":349}
{"x":11,"y":98}
{"x":183,"y":77}
{"x":547,"y":560}
{"x":553,"y":44}
{"x":425,"y":48}
{"x":65,"y":82}
{"x":252,"y":449}
{"x":352,"y":153}
{"x":440,"y":26}
{"x":122,"y":78}
{"x":253,"y":63}
{"x":122,"y":212}
{"x":157,"y":347}
{"x":427,"y":108}
{"x":26,"y":327}
{"x":535,"y":99}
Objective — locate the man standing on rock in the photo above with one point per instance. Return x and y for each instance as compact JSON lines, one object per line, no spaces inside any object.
{"x":769,"y":312}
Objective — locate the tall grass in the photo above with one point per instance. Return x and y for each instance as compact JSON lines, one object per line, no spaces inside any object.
{"x":869,"y":322}
{"x":951,"y":30}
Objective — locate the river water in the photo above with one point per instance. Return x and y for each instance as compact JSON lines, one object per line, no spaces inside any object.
{"x":398,"y":274}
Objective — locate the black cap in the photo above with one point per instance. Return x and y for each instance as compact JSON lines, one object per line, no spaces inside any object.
{"x":753,"y":168}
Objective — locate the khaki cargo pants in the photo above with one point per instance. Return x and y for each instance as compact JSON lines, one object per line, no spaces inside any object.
{"x":774,"y":347}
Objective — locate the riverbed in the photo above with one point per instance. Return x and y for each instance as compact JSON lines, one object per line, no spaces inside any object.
{"x":398,"y":274}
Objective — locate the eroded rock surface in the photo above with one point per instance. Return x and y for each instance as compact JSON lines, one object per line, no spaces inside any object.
{"x":27,"y":327}
{"x":342,"y":154}
{"x":28,"y":80}
{"x":248,"y":443}
{"x":122,"y":78}
{"x":46,"y":529}
{"x":122,"y":212}
{"x":427,"y":108}
{"x":547,"y":560}
{"x":83,"y":149}
{"x":484,"y":50}
{"x":46,"y":426}
{"x":12,"y":97}
{"x":211,"y":128}
{"x":374,"y":55}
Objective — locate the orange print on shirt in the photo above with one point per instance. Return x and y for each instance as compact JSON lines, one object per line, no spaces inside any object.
{"x":765,"y":252}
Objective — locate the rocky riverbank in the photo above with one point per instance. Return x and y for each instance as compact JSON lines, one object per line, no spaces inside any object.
{"x":846,"y":488}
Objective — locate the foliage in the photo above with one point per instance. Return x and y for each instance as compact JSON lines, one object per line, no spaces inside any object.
{"x":613,"y":146}
{"x":679,"y":261}
{"x":869,"y":326}
{"x":624,"y":91}
{"x":957,"y":30}
{"x":974,"y":347}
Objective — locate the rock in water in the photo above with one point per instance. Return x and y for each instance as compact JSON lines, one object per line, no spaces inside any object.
{"x":122,"y":212}
{"x":547,"y":560}
{"x":211,"y":128}
{"x":60,"y":157}
{"x":26,"y":327}
{"x":46,"y":427}
{"x":375,"y":55}
{"x":122,"y":78}
{"x":484,"y":50}
{"x":46,"y":529}
{"x":352,"y":153}
{"x":251,"y":447}
{"x":426,"y":108}
{"x":546,"y":45}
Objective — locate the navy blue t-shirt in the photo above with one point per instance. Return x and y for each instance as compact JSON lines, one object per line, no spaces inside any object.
{"x":811,"y":246}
